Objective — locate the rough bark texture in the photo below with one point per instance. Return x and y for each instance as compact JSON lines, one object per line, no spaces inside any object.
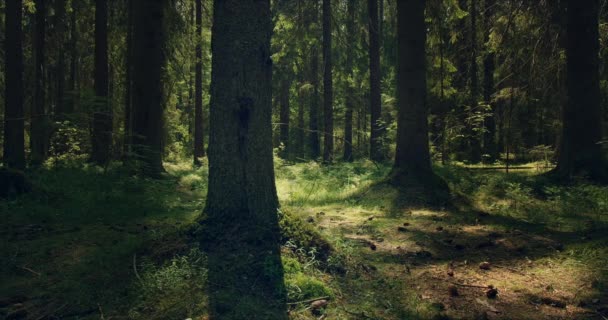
{"x":581,"y":152}
{"x":102,"y":115}
{"x":14,"y":155}
{"x":489,"y":141}
{"x":148,"y":42}
{"x":199,"y":136}
{"x":376,"y":152}
{"x":39,"y":122}
{"x":328,"y":109}
{"x":313,"y":123}
{"x":284,"y":117}
{"x":348,"y":114}
{"x":412,"y":168}
{"x":243,"y":233}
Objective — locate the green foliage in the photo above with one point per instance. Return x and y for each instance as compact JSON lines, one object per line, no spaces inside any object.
{"x":301,"y":287}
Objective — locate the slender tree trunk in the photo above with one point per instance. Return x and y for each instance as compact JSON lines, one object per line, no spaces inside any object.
{"x":581,"y":152}
{"x":14,"y":155}
{"x":102,"y":116}
{"x":199,"y":137}
{"x":474,"y":135}
{"x":242,"y":201}
{"x":376,"y":152}
{"x":73,"y":86}
{"x":489,"y":140}
{"x":299,"y":140}
{"x":315,"y":143}
{"x":148,"y":43}
{"x":348,"y":115}
{"x":284,"y":117}
{"x":412,"y":166}
{"x":328,"y":110}
{"x":128,"y":138}
{"x":61,"y":38}
{"x":38,"y":140}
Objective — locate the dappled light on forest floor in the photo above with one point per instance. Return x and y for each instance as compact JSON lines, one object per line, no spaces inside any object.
{"x":124,"y":247}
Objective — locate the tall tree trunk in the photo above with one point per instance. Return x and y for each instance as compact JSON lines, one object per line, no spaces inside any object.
{"x":73,"y":86}
{"x":315,"y":143}
{"x":38,"y":140}
{"x":348,"y":115}
{"x":299,"y":139}
{"x":102,"y":114}
{"x":60,"y":15}
{"x":199,"y":137}
{"x":376,"y":152}
{"x":412,"y":166}
{"x":284,"y":116}
{"x":128,"y":124}
{"x":242,"y":201}
{"x":581,"y":152}
{"x":474,"y":135}
{"x":328,"y":110}
{"x":14,"y":155}
{"x":489,"y":141}
{"x":148,"y":44}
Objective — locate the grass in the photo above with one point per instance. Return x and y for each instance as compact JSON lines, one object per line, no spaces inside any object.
{"x":90,"y":242}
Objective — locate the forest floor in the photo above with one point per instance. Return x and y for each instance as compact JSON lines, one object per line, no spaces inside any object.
{"x":94,"y":244}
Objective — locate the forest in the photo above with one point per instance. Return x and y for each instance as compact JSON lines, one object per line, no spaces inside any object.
{"x":304,"y":159}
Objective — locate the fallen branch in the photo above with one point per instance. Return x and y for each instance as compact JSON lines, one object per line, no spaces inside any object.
{"x":135,"y":268}
{"x":30,"y":270}
{"x":308,"y":301}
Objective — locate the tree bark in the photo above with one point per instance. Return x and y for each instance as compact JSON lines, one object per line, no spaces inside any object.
{"x":73,"y":85}
{"x":242,"y":201}
{"x":328,"y":110}
{"x":199,"y":136}
{"x":60,"y":15}
{"x":148,"y":44}
{"x":348,"y":114}
{"x":39,"y":122}
{"x":315,"y":141}
{"x":580,"y":153}
{"x":284,"y":117}
{"x":489,"y":141}
{"x":376,"y":152}
{"x":14,"y":154}
{"x":474,"y":135}
{"x":412,"y":166}
{"x":102,"y":116}
{"x":128,"y":124}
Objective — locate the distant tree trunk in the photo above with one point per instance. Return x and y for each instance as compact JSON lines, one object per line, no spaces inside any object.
{"x":39,"y":123}
{"x":328,"y":110}
{"x":72,"y":86}
{"x":60,"y":15}
{"x":299,"y":140}
{"x":242,"y":201}
{"x":14,"y":154}
{"x":199,"y":137}
{"x":148,"y":43}
{"x":102,"y":116}
{"x":474,"y":135}
{"x":284,"y":116}
{"x":376,"y":152}
{"x":412,"y":166}
{"x":348,"y":115}
{"x":580,"y":152}
{"x":315,"y":143}
{"x":489,"y":141}
{"x":128,"y":138}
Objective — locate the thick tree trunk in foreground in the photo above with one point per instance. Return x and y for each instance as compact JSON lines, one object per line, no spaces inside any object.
{"x":412,"y":166}
{"x":148,"y":43}
{"x":102,"y":116}
{"x":376,"y":151}
{"x":242,"y":202}
{"x":199,"y":137}
{"x":328,"y":98}
{"x":580,"y":152}
{"x":39,"y":122}
{"x":14,"y":155}
{"x":350,"y":105}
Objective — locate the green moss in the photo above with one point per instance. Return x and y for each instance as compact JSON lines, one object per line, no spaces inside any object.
{"x":301,"y":287}
{"x":303,"y":235}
